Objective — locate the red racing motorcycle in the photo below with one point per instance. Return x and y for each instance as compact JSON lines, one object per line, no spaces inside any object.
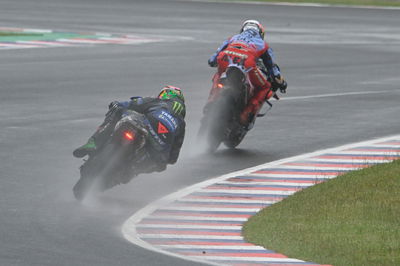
{"x":220,"y":122}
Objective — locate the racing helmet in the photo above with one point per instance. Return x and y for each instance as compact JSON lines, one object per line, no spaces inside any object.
{"x":253,"y":24}
{"x":170,"y":92}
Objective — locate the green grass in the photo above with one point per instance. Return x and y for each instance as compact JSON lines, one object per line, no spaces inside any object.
{"x":395,"y":3}
{"x":353,"y":219}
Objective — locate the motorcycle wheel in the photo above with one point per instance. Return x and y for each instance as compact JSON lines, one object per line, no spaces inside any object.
{"x":94,"y":171}
{"x":235,"y":138}
{"x":215,"y":122}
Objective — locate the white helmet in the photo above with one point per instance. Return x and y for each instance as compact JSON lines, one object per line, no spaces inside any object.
{"x":255,"y":25}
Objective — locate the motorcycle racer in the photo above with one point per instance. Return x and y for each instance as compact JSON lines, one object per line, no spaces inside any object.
{"x":165,"y":123}
{"x":245,"y":49}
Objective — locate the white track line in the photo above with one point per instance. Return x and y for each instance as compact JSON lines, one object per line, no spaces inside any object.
{"x":335,"y":95}
{"x":300,"y":4}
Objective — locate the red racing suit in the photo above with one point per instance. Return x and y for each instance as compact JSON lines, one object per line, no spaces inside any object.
{"x":245,"y":49}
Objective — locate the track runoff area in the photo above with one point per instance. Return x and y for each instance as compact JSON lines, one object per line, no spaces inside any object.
{"x":203,"y":222}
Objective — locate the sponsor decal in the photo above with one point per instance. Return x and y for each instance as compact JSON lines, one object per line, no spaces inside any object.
{"x":154,"y":134}
{"x":178,"y":107}
{"x":236,"y":54}
{"x":168,"y":120}
{"x":162,"y":129}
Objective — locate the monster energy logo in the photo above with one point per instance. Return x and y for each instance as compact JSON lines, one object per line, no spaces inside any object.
{"x":178,"y":107}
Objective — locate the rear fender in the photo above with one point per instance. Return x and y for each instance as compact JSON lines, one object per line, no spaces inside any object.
{"x":130,"y":130}
{"x":237,"y":81}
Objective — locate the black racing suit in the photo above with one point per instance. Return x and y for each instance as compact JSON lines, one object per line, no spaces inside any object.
{"x":165,"y":123}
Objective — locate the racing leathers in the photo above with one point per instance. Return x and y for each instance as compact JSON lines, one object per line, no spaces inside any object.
{"x":164,"y":121}
{"x":245,"y":49}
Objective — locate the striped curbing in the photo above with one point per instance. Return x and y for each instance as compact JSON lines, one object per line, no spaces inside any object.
{"x":203,"y":222}
{"x":41,"y":38}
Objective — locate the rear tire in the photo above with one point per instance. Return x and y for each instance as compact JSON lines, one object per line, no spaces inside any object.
{"x":235,"y":137}
{"x":94,"y":172}
{"x":223,"y":112}
{"x":83,"y":186}
{"x":208,"y":133}
{"x":215,"y":122}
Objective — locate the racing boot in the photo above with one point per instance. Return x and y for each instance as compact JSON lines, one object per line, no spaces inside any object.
{"x":249,"y":112}
{"x":253,"y":107}
{"x":101,"y":135}
{"x":85,"y":149}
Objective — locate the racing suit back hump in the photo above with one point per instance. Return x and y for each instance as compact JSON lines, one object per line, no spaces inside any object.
{"x":166,"y":125}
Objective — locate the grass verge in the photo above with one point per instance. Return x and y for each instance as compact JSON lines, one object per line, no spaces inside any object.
{"x":395,"y":3}
{"x":353,"y":219}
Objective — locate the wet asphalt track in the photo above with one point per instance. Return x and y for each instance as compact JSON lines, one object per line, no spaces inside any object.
{"x":52,"y":99}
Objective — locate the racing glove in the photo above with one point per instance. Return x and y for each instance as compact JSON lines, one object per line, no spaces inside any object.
{"x":114,"y":105}
{"x":279,"y":83}
{"x":212,"y":63}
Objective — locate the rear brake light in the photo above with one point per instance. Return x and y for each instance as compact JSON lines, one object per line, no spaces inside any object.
{"x":129,"y":135}
{"x":220,"y":85}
